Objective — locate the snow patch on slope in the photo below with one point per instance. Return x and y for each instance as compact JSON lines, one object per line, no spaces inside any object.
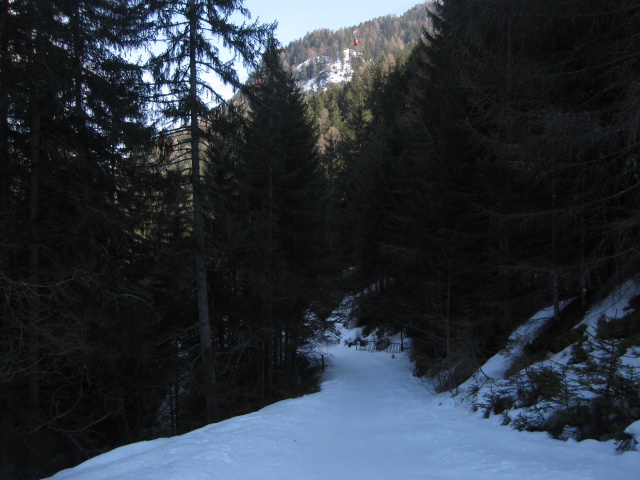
{"x":337,"y":72}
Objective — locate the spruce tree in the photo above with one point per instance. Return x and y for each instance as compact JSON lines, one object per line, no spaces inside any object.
{"x":293,"y":196}
{"x":72,"y":117}
{"x":272,"y":210}
{"x":189,"y":30}
{"x":552,"y":115}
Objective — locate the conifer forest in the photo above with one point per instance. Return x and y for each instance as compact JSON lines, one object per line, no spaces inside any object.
{"x":168,"y":258}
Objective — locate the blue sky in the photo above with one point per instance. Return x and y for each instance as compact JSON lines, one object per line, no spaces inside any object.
{"x":296,"y":18}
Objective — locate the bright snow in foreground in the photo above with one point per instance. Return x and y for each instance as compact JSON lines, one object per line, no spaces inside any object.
{"x":372,"y":420}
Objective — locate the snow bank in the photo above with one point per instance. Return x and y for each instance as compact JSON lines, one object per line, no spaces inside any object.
{"x":553,"y":392}
{"x":614,"y":306}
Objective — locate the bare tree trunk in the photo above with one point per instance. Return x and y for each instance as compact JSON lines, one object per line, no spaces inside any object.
{"x":555,"y":281}
{"x":4,"y":197}
{"x":583,"y":256}
{"x":269,"y":338}
{"x":448,"y":321}
{"x":33,"y":337}
{"x":206,"y":345}
{"x":4,"y":181}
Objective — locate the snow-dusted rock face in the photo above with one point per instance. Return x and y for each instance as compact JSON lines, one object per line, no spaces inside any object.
{"x":335,"y":72}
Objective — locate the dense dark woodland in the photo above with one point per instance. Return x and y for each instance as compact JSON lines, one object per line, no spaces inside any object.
{"x":163,"y":265}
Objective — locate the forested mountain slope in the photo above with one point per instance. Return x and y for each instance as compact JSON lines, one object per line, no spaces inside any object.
{"x":377,"y":39}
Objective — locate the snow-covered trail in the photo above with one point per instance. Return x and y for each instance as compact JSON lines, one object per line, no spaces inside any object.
{"x":372,"y":420}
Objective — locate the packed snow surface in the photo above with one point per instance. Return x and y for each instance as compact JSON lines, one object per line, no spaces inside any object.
{"x":371,"y":420}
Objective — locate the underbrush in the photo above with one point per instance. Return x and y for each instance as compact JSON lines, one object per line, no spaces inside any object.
{"x":589,"y":390}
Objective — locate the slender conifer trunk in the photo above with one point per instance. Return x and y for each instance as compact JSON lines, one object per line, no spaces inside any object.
{"x":204,"y":324}
{"x":33,"y":337}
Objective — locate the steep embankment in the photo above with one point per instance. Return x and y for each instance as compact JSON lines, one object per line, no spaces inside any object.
{"x":575,"y":379}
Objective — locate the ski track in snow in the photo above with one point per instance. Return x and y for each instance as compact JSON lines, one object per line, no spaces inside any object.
{"x":372,"y":420}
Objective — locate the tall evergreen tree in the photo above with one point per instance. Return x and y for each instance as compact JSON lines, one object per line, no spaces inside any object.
{"x":72,"y":117}
{"x":553,"y":128}
{"x":189,"y":30}
{"x":288,"y":186}
{"x":273,"y":213}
